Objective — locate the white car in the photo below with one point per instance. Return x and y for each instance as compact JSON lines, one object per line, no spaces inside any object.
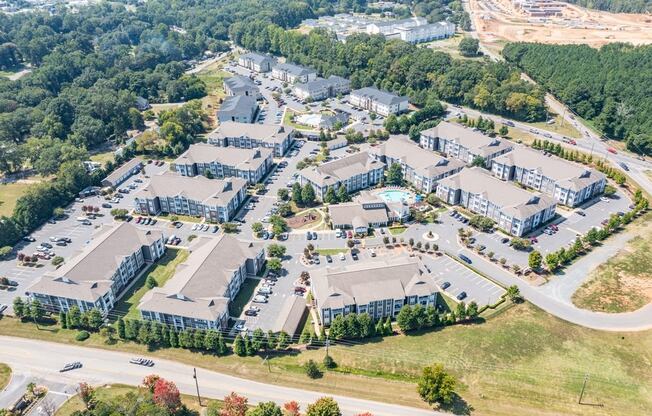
{"x":194,"y":227}
{"x":342,"y":256}
{"x":260,"y":299}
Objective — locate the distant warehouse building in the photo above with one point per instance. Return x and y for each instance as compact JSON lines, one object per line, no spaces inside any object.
{"x":223,"y":162}
{"x":463,"y":143}
{"x":250,"y":136}
{"x":256,"y":62}
{"x":377,"y":101}
{"x":321,"y":89}
{"x":214,"y":199}
{"x":569,"y":183}
{"x":238,"y":108}
{"x":239,"y":85}
{"x":515,"y":210}
{"x":96,"y":277}
{"x":124,"y":172}
{"x":199,"y":293}
{"x":292,"y":73}
{"x":379,"y":288}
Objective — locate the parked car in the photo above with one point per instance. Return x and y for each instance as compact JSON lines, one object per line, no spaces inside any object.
{"x":354,"y":256}
{"x":250,"y":312}
{"x":342,"y":257}
{"x":3,"y":307}
{"x":466,"y":259}
{"x":582,"y":213}
{"x":329,"y":259}
{"x":71,"y":366}
{"x":265,"y":290}
{"x":29,"y":238}
{"x":142,"y":361}
{"x":260,"y":299}
{"x":445,"y":285}
{"x":461,"y":296}
{"x":308,"y":235}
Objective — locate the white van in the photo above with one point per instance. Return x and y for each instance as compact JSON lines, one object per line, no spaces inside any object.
{"x":338,"y":233}
{"x":265,"y":290}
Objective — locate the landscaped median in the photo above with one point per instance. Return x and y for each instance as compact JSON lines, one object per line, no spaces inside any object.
{"x":5,"y":375}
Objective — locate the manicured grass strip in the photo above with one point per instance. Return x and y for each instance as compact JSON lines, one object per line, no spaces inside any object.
{"x":161,"y":272}
{"x":5,"y":375}
{"x":397,"y":230}
{"x":331,"y":251}
{"x":243,"y":297}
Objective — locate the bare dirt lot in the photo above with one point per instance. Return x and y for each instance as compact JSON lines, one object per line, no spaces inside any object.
{"x":498,"y":21}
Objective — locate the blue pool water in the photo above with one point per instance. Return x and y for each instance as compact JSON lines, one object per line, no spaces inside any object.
{"x":394,"y":195}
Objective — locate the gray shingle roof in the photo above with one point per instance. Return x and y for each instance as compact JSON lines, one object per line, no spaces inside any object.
{"x":338,"y":170}
{"x":477,"y":142}
{"x":256,"y":57}
{"x":243,"y":159}
{"x":126,"y":167}
{"x":239,"y":104}
{"x":239,"y":82}
{"x":294,"y":69}
{"x":272,"y":133}
{"x":383,"y":97}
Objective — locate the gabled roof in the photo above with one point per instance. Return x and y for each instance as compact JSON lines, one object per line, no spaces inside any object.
{"x":424,"y":162}
{"x":477,"y":142}
{"x":256,"y":57}
{"x":294,"y":69}
{"x":567,"y":174}
{"x":199,"y":188}
{"x":238,"y":104}
{"x":199,"y":287}
{"x":272,"y":133}
{"x":87,"y":275}
{"x":383,"y":97}
{"x":321,"y":83}
{"x":239,"y":82}
{"x":243,"y":159}
{"x":126,"y":167}
{"x":336,"y":171}
{"x":511,"y":199}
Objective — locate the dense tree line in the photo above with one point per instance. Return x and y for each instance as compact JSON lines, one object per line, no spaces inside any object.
{"x":421,"y":73}
{"x":616,"y":6}
{"x":609,"y":86}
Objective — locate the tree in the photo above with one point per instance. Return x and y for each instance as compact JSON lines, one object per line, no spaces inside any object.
{"x":343,"y":194}
{"x":435,"y":385}
{"x":94,"y":319}
{"x":330,"y":197}
{"x":329,"y":362}
{"x":472,"y":310}
{"x":121,"y":328}
{"x":19,"y":307}
{"x":520,"y":243}
{"x":234,"y":405}
{"x":276,"y":250}
{"x":504,"y":131}
{"x":405,"y":319}
{"x":57,"y":260}
{"x":229,"y":227}
{"x":36,"y":311}
{"x":283,"y":340}
{"x":469,"y":46}
{"x":167,"y":395}
{"x":514,"y":294}
{"x":296,"y":194}
{"x":324,"y":406}
{"x":257,"y":228}
{"x":62,"y":320}
{"x":265,"y":409}
{"x":311,"y":369}
{"x":308,"y":195}
{"x":87,"y":394}
{"x":239,"y":346}
{"x":479,"y":161}
{"x":534,"y":260}
{"x":291,"y":409}
{"x":274,"y":264}
{"x":283,"y":194}
{"x":395,"y":174}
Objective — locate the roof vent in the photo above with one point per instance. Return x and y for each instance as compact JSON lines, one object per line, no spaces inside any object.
{"x":180,"y":296}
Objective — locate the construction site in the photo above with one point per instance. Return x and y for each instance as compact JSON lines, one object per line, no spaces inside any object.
{"x":552,"y":21}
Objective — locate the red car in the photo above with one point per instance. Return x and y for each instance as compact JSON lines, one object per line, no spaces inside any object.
{"x":300,"y":289}
{"x":612,"y":150}
{"x":349,"y":234}
{"x":533,"y":240}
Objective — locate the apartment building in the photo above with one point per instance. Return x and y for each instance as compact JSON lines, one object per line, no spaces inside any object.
{"x":199,"y":293}
{"x":515,"y":210}
{"x":124,"y":172}
{"x":224,"y":162}
{"x":292,"y":73}
{"x":569,"y":183}
{"x":321,"y":89}
{"x":217,"y":200}
{"x":463,"y":143}
{"x":422,"y":168}
{"x":250,"y":136}
{"x":239,"y":109}
{"x":368,"y":210}
{"x":424,"y":33}
{"x":239,"y":85}
{"x":379,"y":288}
{"x":391,"y":26}
{"x":355,"y":172}
{"x":377,"y":101}
{"x":96,"y":277}
{"x":256,"y":62}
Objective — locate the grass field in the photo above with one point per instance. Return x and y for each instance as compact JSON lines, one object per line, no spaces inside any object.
{"x":115,"y":391}
{"x":103,"y":157}
{"x":9,"y":193}
{"x":5,"y":375}
{"x":397,"y":230}
{"x":161,"y":272}
{"x":560,"y":126}
{"x":624,"y":282}
{"x":242,"y":298}
{"x":522,"y":361}
{"x":449,"y":46}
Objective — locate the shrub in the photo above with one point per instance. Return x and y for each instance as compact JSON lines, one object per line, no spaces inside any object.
{"x":329,"y":362}
{"x":312,"y":370}
{"x":82,"y":336}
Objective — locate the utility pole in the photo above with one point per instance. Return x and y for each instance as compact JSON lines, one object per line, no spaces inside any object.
{"x":328,"y":342}
{"x":586,"y":378}
{"x":269,"y":365}
{"x":194,"y":375}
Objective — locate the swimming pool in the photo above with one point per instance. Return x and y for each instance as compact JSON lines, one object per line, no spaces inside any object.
{"x":395,"y":195}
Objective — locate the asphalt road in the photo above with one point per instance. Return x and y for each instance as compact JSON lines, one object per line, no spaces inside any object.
{"x":102,"y":367}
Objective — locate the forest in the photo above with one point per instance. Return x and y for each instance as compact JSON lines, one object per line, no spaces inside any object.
{"x":611,"y":86}
{"x":616,"y":6}
{"x":424,"y":75}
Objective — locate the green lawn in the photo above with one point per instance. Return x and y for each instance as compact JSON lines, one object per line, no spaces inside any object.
{"x":5,"y":375}
{"x":161,"y":272}
{"x":243,"y":297}
{"x":103,"y":157}
{"x":624,"y":282}
{"x":115,"y":391}
{"x":446,"y":302}
{"x":397,"y":230}
{"x":287,"y":120}
{"x":9,"y":193}
{"x":560,"y":126}
{"x":182,"y":218}
{"x":331,"y":251}
{"x":523,"y":361}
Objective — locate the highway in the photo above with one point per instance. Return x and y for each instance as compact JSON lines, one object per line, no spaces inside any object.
{"x":26,"y":356}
